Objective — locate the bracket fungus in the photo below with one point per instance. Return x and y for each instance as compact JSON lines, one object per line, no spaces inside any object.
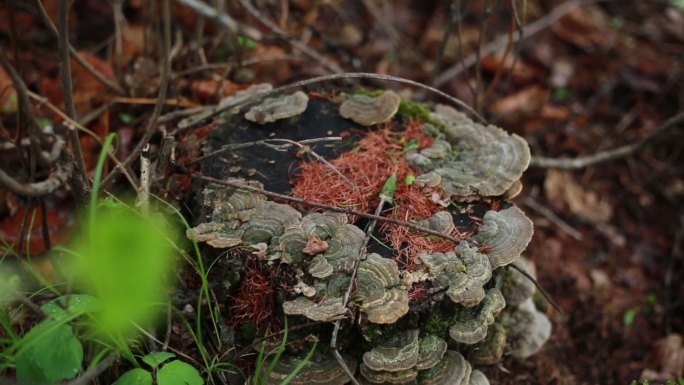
{"x":244,"y":95}
{"x":490,"y":351}
{"x":382,"y":297}
{"x":453,"y":369}
{"x":321,"y":368}
{"x":410,"y":307}
{"x":527,"y":329}
{"x":272,"y":109}
{"x":506,"y":234}
{"x":463,"y":272}
{"x":369,"y":110}
{"x":472,"y":323}
{"x":474,"y":160}
{"x":327,"y":310}
{"x":399,"y":352}
{"x":515,"y":287}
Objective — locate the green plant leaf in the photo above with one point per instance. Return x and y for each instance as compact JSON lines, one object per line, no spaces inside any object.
{"x":409,"y":180}
{"x":56,"y":356}
{"x":246,"y":42}
{"x":126,"y":263}
{"x":155,"y":358}
{"x":179,"y":373}
{"x":135,"y":376}
{"x":412,"y":145}
{"x":78,"y":304}
{"x":628,"y":318}
{"x":389,"y":188}
{"x":126,"y":118}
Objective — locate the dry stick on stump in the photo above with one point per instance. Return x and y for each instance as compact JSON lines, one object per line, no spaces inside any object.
{"x":281,"y":147}
{"x":605,"y":156}
{"x":191,"y":122}
{"x":79,"y":177}
{"x":150,"y":129}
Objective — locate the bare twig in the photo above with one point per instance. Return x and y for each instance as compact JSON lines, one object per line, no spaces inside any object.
{"x":237,"y":146}
{"x":501,"y":41}
{"x":80,"y":176}
{"x":205,"y":116}
{"x":77,"y":56}
{"x":305,"y":202}
{"x":542,"y":291}
{"x":38,"y":189}
{"x":150,"y":129}
{"x":286,"y":144}
{"x":222,"y":19}
{"x":452,"y":18}
{"x":605,"y":156}
{"x":550,"y":215}
{"x":521,"y":34}
{"x":347,"y":293}
{"x":675,"y":254}
{"x":44,"y":225}
{"x":80,"y":126}
{"x":305,"y":49}
{"x":145,"y":180}
{"x":38,"y":138}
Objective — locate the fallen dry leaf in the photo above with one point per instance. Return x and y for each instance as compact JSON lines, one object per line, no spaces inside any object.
{"x":522,"y":71}
{"x":523,"y":103}
{"x":563,"y":192}
{"x":586,"y":27}
{"x":668,"y":355}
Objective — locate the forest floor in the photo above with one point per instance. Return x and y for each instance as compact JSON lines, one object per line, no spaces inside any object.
{"x":586,"y":78}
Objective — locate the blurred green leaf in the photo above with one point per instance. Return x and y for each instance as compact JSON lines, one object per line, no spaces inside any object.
{"x":126,"y":117}
{"x":71,"y":306}
{"x":179,"y":373}
{"x":561,"y":94}
{"x":135,"y":376}
{"x":246,"y":42}
{"x":54,"y":355}
{"x":409,"y":179}
{"x":628,"y":318}
{"x":126,"y":262}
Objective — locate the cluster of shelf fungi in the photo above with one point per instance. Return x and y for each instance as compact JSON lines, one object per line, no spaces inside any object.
{"x":478,"y":308}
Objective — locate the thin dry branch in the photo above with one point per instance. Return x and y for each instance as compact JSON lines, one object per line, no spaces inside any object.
{"x":305,"y":49}
{"x":37,"y":136}
{"x":605,"y":156}
{"x":38,"y":189}
{"x":77,"y":56}
{"x":503,"y":40}
{"x":80,"y":176}
{"x":150,"y":129}
{"x":539,"y":287}
{"x":222,"y":19}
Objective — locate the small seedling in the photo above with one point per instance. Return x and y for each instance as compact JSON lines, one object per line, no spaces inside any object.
{"x":175,"y":372}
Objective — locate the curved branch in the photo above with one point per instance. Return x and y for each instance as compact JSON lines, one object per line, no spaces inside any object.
{"x":605,"y":156}
{"x":39,"y":189}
